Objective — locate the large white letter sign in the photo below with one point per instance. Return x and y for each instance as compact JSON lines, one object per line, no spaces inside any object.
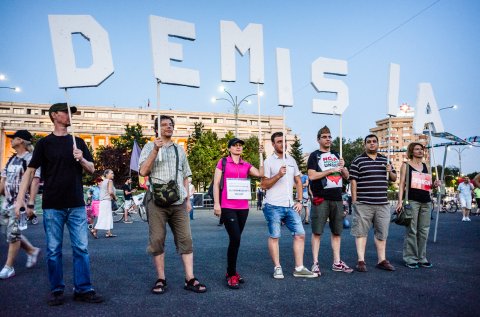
{"x":284,"y":78}
{"x":426,"y":110}
{"x":251,"y":38}
{"x":163,"y":51}
{"x":336,"y":67}
{"x":393,"y":89}
{"x":68,"y":75}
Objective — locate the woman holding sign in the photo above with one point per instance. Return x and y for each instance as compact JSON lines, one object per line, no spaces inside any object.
{"x":231,"y":202}
{"x":419,"y":187}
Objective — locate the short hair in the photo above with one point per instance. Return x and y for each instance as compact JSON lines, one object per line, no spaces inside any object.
{"x":368,"y":137}
{"x":412,"y":146}
{"x":323,"y":130}
{"x":275,"y":135}
{"x":106,"y":172}
{"x":162,"y":117}
{"x":126,"y":179}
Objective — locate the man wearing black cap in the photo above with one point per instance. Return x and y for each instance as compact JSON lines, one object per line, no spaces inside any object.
{"x":10,"y":181}
{"x":62,"y":166}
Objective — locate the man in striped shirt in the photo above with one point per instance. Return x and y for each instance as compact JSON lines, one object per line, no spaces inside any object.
{"x":369,"y":176}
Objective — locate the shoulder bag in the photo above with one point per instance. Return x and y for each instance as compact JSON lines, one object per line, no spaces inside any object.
{"x":165,"y":195}
{"x":404,"y":216}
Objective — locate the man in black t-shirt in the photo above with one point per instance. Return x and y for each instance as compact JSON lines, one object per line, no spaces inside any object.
{"x":325,"y":171}
{"x":127,"y":195}
{"x":62,"y":164}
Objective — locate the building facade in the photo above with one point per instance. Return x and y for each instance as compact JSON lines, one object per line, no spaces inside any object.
{"x":97,"y":125}
{"x":401,"y":135}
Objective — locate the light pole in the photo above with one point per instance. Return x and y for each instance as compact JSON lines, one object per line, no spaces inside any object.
{"x":454,"y":107}
{"x":234,"y":102}
{"x":459,"y":151}
{"x":2,"y":78}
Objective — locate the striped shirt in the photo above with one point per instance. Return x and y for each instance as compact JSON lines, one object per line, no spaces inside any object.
{"x":371,"y":178}
{"x":163,"y":171}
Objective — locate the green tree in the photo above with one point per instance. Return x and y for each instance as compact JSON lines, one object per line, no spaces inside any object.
{"x":297,"y":153}
{"x":350,"y":149}
{"x":114,"y":158}
{"x":132,"y":132}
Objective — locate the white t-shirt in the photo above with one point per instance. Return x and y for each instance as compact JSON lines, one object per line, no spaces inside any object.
{"x":281,"y":193}
{"x":465,"y":189}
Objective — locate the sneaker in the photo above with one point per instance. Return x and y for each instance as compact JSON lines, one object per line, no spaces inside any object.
{"x":426,"y":264}
{"x":278,"y":273}
{"x":128,"y":221}
{"x":32,"y":258}
{"x":304,"y":272}
{"x":240,"y":279}
{"x":341,"y":267}
{"x":56,"y":298}
{"x":468,"y":219}
{"x":464,"y":219}
{"x":7,"y":272}
{"x":232,"y":282}
{"x":316,"y":269}
{"x":88,"y":297}
{"x":412,"y":265}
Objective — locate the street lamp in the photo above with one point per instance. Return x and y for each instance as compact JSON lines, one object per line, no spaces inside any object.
{"x":454,"y":107}
{"x":235,"y":103}
{"x":459,"y":151}
{"x":2,"y":78}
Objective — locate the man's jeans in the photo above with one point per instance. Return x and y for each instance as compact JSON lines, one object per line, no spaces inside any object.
{"x":54,"y":221}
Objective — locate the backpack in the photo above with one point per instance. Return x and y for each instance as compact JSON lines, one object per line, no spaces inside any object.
{"x":210,"y":188}
{"x":24,"y":162}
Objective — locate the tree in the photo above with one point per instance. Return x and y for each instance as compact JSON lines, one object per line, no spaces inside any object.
{"x":297,"y":153}
{"x":125,"y":141}
{"x":350,"y":149}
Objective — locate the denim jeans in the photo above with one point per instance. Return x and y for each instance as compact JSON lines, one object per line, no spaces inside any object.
{"x":54,"y":221}
{"x":276,"y":214}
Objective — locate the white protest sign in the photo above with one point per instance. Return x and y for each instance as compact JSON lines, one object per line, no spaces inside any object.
{"x":284,"y":78}
{"x":393,"y":89}
{"x":68,"y":74}
{"x":238,"y":188}
{"x":232,"y":40}
{"x":320,"y":67}
{"x":163,"y":51}
{"x":426,"y":110}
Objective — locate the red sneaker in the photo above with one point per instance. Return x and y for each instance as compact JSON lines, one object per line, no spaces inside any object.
{"x":232,"y":282}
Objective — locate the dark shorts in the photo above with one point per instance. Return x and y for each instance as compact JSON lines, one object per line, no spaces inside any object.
{"x":328,"y":209}
{"x":177,"y":218}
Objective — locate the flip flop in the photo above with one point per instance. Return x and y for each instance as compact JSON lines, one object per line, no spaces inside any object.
{"x":94,"y":234}
{"x":110,"y":235}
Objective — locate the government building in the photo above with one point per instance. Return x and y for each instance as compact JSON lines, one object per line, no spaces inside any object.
{"x":98,"y":125}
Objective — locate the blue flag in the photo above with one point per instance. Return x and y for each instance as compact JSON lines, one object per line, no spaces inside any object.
{"x":135,"y":156}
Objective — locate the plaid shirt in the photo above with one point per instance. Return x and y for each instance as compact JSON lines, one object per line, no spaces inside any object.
{"x":163,"y":171}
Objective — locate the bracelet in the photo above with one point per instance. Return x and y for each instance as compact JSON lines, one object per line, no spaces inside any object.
{"x":31,"y":206}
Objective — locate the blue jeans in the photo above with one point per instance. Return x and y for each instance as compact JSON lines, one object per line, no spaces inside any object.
{"x":276,"y":214}
{"x":54,"y":221}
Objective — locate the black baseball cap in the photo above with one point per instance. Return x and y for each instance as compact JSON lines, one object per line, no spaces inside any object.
{"x":61,"y":106}
{"x":22,"y":134}
{"x":235,"y":141}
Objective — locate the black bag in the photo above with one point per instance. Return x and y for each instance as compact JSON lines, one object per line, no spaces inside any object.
{"x":405,"y":215}
{"x":114,"y":205}
{"x":165,"y":195}
{"x":210,"y":188}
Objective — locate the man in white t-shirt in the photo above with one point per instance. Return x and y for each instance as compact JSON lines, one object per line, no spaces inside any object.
{"x":280,"y":176}
{"x":465,"y":195}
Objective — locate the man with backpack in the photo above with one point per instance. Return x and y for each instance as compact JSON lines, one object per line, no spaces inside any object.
{"x":9,"y":186}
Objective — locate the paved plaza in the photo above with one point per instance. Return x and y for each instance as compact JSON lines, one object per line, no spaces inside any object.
{"x":123,"y":273}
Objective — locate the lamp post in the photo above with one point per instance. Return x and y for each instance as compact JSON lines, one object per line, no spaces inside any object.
{"x":454,"y":107}
{"x":235,"y":104}
{"x":459,"y":151}
{"x":2,"y":78}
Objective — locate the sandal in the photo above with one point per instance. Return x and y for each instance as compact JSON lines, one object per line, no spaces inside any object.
{"x":94,"y":233}
{"x":196,"y":288}
{"x":159,"y":287}
{"x":111,"y":235}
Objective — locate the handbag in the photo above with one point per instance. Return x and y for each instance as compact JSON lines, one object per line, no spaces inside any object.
{"x":405,"y":215}
{"x":165,"y":195}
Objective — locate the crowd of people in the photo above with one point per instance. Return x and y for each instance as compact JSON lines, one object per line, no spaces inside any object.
{"x":61,"y":160}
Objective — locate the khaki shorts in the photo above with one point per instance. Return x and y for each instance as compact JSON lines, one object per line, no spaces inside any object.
{"x":177,"y":218}
{"x":365,"y":215}
{"x":328,"y":209}
{"x":10,"y":221}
